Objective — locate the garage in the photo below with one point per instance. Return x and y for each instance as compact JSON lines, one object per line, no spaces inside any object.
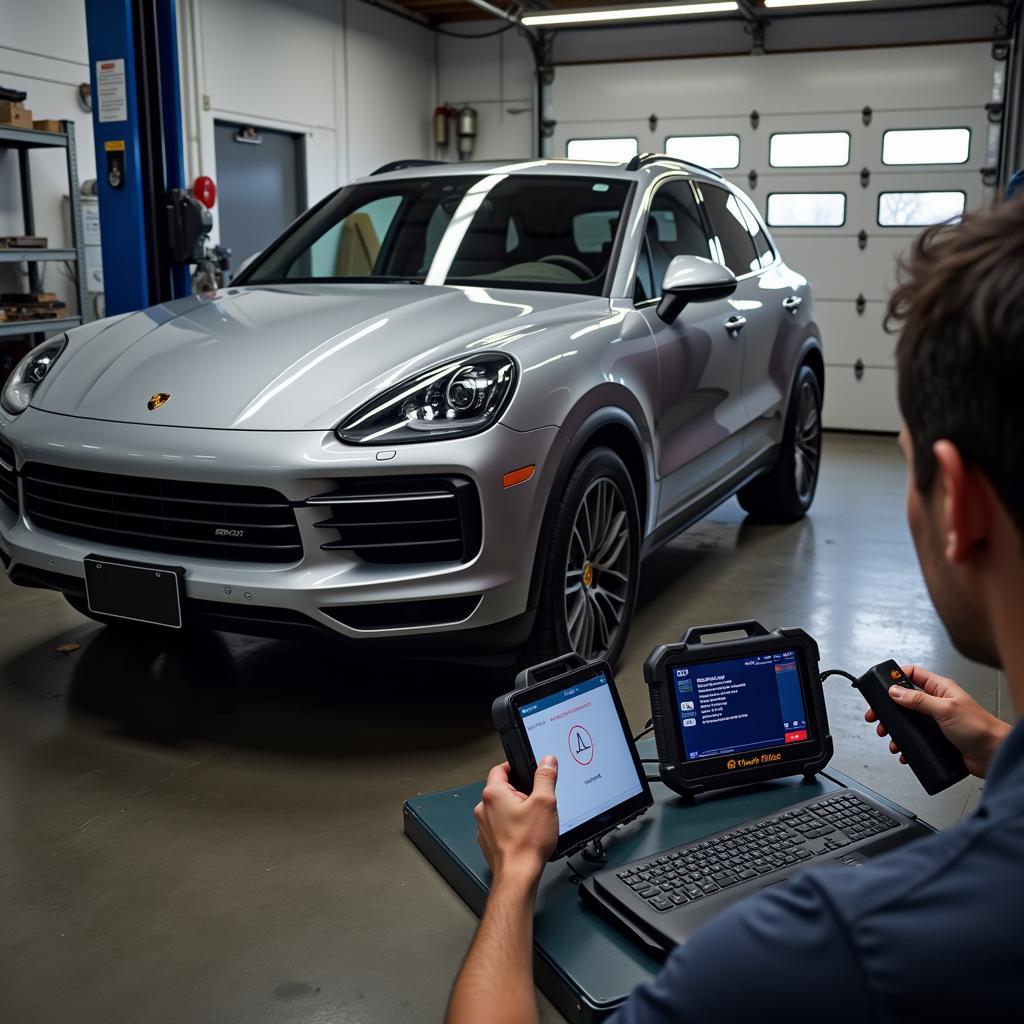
{"x":396,"y":388}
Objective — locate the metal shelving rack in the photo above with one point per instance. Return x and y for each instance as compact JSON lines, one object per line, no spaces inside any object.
{"x":23,"y":140}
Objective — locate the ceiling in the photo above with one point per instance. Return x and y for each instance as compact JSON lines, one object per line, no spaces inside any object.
{"x":462,"y":10}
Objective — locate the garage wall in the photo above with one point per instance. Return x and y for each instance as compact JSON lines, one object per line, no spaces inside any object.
{"x":912,"y":87}
{"x":356,"y":82}
{"x":495,"y":76}
{"x":48,"y":65}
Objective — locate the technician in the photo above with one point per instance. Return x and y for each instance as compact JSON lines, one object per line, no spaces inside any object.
{"x":932,"y":930}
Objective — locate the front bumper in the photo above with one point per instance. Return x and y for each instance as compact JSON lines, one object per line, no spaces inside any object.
{"x":494,"y":584}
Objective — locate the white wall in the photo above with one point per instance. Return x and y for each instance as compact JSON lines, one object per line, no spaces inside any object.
{"x":43,"y":52}
{"x":495,"y":76}
{"x":356,"y":81}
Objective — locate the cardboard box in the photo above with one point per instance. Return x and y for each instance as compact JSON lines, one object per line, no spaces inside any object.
{"x":49,"y":125}
{"x":15,"y":115}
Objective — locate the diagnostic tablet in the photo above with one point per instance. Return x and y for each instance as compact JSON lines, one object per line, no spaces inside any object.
{"x":737,"y":711}
{"x":577,"y":717}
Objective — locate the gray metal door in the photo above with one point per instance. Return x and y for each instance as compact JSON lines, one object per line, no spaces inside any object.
{"x":261,"y":186}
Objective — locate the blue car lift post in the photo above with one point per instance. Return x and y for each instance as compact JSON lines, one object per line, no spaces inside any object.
{"x":133,"y":67}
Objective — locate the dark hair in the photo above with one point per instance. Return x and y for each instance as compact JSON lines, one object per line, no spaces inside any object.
{"x":959,"y":305}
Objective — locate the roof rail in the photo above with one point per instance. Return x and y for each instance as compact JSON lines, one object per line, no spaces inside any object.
{"x":401,"y":165}
{"x":643,"y":159}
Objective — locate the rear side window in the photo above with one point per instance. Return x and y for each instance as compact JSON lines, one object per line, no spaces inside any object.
{"x":732,"y":233}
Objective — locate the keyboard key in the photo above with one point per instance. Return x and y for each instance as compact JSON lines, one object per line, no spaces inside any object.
{"x":677,"y":899}
{"x":661,"y":903}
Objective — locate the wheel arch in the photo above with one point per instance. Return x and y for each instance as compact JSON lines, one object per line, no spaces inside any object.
{"x":613,"y":427}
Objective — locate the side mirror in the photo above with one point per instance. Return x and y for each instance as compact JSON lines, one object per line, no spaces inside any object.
{"x":693,"y":279}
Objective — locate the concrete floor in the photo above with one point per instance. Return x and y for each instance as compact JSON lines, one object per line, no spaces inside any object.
{"x":215,"y":834}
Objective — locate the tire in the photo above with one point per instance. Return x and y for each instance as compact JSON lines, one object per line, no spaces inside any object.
{"x":785,"y":493}
{"x":595,"y":532}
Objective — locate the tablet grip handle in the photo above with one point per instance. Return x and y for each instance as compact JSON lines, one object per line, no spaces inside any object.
{"x":549,"y":669}
{"x":695,"y":634}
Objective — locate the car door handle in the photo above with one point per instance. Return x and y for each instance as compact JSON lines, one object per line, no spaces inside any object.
{"x":735,"y":324}
{"x":792,"y":304}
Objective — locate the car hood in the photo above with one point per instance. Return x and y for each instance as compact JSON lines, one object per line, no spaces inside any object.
{"x":286,"y":357}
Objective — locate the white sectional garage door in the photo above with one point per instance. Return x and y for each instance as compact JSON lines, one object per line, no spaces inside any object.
{"x":851,"y":151}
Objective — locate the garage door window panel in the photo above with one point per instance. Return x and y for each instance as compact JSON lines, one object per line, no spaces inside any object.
{"x":721,"y":152}
{"x":732,"y":232}
{"x":809,"y":149}
{"x":613,"y":150}
{"x":674,"y":228}
{"x":807,"y":209}
{"x":919,"y":209}
{"x":921,"y":146}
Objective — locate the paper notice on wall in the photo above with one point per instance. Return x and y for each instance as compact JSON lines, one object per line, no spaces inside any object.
{"x":111,"y":93}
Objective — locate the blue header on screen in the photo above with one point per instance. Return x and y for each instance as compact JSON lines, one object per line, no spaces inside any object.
{"x":563,"y":695}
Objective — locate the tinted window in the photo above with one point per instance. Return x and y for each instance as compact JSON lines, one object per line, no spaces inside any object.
{"x":765,"y":252}
{"x":674,"y":228}
{"x":499,"y":231}
{"x":731,"y":230}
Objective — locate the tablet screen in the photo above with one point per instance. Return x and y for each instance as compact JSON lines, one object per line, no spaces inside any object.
{"x":580,"y":725}
{"x":743,"y":704}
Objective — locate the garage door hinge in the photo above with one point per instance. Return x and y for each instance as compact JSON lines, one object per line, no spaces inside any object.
{"x":865,"y":177}
{"x":858,"y":369}
{"x":995,"y":112}
{"x":861,"y":303}
{"x":752,"y":178}
{"x":862,"y":239}
{"x":206,"y":101}
{"x":865,"y":115}
{"x":989,"y":176}
{"x":547,"y":128}
{"x":755,"y":119}
{"x":1000,"y":51}
{"x":653,"y":122}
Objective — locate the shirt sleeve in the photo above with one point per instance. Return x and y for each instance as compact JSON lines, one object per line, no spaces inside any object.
{"x":781,"y":955}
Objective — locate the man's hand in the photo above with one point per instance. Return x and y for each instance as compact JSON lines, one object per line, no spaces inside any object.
{"x":517,"y":832}
{"x":963,"y":721}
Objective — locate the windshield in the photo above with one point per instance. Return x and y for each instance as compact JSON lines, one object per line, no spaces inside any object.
{"x":505,"y":231}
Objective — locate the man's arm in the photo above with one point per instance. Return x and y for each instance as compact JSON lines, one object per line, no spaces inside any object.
{"x":964,"y":722}
{"x":517,"y":834}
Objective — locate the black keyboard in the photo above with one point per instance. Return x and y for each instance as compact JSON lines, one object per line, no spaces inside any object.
{"x":696,"y":870}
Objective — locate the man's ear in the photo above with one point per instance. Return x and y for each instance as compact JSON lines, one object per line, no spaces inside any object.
{"x":966,"y":501}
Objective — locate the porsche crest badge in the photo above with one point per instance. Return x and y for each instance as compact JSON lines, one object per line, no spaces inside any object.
{"x":155,"y":401}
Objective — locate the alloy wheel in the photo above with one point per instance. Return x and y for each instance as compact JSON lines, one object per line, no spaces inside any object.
{"x":597,"y":570}
{"x":807,"y":442}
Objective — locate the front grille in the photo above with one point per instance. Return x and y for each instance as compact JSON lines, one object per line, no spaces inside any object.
{"x":402,"y":520}
{"x":173,"y":517}
{"x":8,"y":478}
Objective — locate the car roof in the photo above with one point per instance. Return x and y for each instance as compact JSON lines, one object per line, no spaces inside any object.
{"x":642,"y":167}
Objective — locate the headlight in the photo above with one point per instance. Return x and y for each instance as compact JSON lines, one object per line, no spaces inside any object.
{"x":462,"y":397}
{"x":29,"y":374}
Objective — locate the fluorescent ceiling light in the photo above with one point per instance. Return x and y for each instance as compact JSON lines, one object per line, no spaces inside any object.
{"x":811,"y":3}
{"x":629,"y":13}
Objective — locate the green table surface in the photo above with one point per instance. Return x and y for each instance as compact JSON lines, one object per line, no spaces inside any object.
{"x":584,"y":965}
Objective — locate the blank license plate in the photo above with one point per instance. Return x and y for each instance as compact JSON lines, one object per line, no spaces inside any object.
{"x":141,"y":593}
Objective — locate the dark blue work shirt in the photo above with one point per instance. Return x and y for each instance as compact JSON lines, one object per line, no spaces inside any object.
{"x":932,"y":931}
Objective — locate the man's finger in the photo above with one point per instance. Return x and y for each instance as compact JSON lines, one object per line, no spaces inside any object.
{"x":937,"y":686}
{"x":498,"y":775}
{"x":546,"y":776}
{"x":918,"y":700}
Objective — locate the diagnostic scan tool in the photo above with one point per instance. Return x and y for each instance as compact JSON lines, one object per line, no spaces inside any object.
{"x":737,"y":711}
{"x":575,"y":714}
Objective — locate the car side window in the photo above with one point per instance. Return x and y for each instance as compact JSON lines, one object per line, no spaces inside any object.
{"x":732,"y":233}
{"x":674,"y":228}
{"x":352,"y":246}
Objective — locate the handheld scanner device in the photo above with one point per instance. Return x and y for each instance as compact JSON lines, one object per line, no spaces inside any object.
{"x":737,"y":711}
{"x":931,"y":757}
{"x":571,"y":709}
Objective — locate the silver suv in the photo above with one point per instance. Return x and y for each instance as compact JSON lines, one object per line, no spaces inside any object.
{"x":452,"y":405}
